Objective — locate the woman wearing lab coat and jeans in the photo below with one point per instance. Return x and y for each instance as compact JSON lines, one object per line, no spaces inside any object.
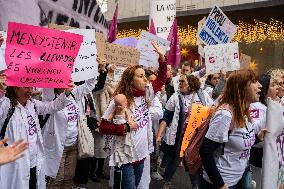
{"x":60,"y":135}
{"x":28,"y":171}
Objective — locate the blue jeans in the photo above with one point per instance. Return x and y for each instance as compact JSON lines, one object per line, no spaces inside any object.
{"x":131,"y":175}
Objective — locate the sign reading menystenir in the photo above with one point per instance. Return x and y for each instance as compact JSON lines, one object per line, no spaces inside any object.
{"x":217,"y":29}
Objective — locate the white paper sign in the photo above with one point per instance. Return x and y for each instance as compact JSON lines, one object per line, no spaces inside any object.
{"x":223,"y":57}
{"x":118,"y":73}
{"x":273,"y":150}
{"x":85,"y":66}
{"x":163,"y":13}
{"x":2,"y":52}
{"x":217,"y":29}
{"x":245,"y":61}
{"x":148,"y":57}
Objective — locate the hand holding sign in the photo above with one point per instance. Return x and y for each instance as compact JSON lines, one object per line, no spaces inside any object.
{"x":2,"y":81}
{"x":158,"y":50}
{"x":1,"y":39}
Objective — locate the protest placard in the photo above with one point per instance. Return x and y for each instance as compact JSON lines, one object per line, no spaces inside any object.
{"x":273,"y":151}
{"x":40,"y":57}
{"x":223,"y":57}
{"x":122,"y":56}
{"x":148,"y":57}
{"x":217,"y":29}
{"x":60,"y":27}
{"x":245,"y":61}
{"x":163,"y":13}
{"x":101,"y":45}
{"x":199,"y":26}
{"x":85,"y":66}
{"x":198,"y":115}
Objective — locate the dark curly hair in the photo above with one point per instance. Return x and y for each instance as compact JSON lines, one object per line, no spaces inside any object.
{"x":193,"y":83}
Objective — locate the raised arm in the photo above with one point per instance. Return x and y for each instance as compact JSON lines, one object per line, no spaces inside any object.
{"x":161,"y":75}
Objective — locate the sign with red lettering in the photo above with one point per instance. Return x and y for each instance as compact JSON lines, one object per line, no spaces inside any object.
{"x":40,"y":57}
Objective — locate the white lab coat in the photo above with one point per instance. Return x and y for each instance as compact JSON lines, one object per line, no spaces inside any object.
{"x":16,"y":175}
{"x":54,"y":132}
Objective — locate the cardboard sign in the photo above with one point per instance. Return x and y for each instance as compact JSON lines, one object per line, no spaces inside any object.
{"x":217,"y":29}
{"x":40,"y":57}
{"x":148,"y":57}
{"x":199,"y":26}
{"x":85,"y":66}
{"x":60,"y":27}
{"x":163,"y":13}
{"x":101,"y":45}
{"x":122,"y":56}
{"x":198,"y":115}
{"x":245,"y":61}
{"x":273,"y":151}
{"x":223,"y":57}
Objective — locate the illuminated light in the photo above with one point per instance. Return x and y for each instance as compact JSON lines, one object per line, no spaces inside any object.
{"x":253,"y":65}
{"x":246,"y":33}
{"x":184,"y":52}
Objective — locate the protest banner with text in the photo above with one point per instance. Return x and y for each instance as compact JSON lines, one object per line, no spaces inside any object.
{"x":148,"y":57}
{"x":101,"y":45}
{"x":85,"y":66}
{"x":223,"y":57}
{"x":121,"y":56}
{"x":40,"y":57}
{"x":198,"y":115}
{"x":217,"y":29}
{"x":273,"y":149}
{"x":163,"y":13}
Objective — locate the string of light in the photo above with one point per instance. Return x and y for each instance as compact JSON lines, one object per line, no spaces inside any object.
{"x":247,"y":33}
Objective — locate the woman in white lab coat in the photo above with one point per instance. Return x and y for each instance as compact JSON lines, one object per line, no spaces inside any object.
{"x":60,"y":134}
{"x":26,"y":172}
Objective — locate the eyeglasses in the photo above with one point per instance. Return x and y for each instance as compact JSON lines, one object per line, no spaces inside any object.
{"x":182,"y":81}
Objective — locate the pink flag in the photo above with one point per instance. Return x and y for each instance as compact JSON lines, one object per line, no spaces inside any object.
{"x":174,"y":53}
{"x":152,"y":29}
{"x":113,"y":27}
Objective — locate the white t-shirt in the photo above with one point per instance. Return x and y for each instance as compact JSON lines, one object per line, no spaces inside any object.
{"x":32,"y":139}
{"x":71,"y":112}
{"x":141,"y":116}
{"x":233,"y":162}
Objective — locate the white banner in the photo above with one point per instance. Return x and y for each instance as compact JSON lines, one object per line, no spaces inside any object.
{"x":76,"y":13}
{"x":2,"y":52}
{"x":245,"y":61}
{"x":148,"y":57}
{"x":273,"y":150}
{"x":118,"y":73}
{"x":223,"y":57}
{"x":217,"y":29}
{"x":85,"y":66}
{"x":163,"y":13}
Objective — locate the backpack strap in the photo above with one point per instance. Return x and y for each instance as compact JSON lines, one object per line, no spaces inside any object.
{"x":9,"y":115}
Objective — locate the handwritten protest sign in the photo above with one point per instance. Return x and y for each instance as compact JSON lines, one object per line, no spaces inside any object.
{"x":60,"y":27}
{"x":148,"y":57}
{"x":198,"y":115}
{"x":245,"y":61}
{"x":101,"y":45}
{"x":85,"y":66}
{"x":199,"y":26}
{"x":122,"y":56}
{"x":217,"y":29}
{"x":163,"y":13}
{"x":40,"y":57}
{"x":273,"y":151}
{"x":223,"y":57}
